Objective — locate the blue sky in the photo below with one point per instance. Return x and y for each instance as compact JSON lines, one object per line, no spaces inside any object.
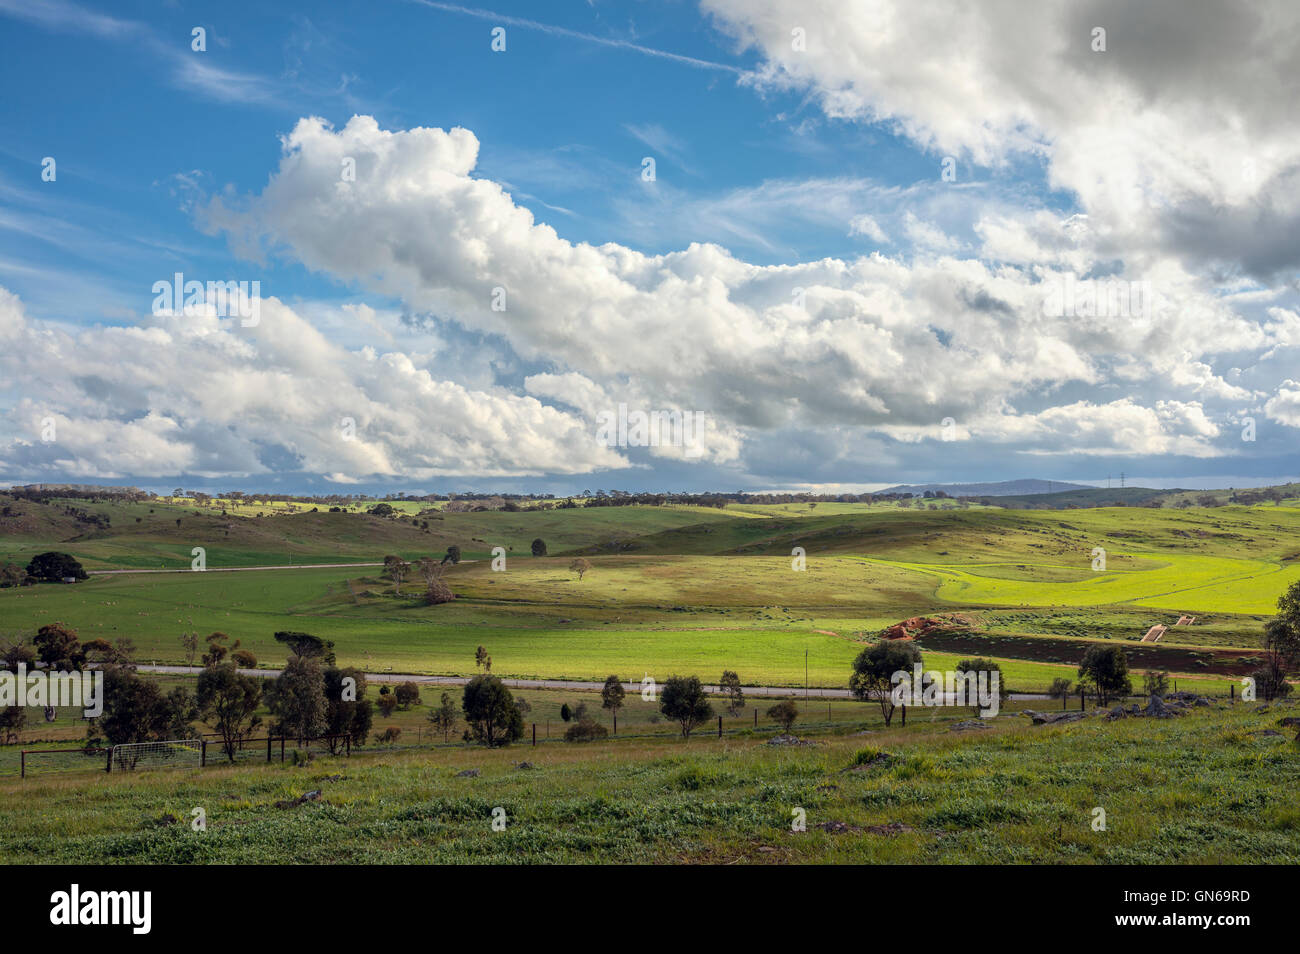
{"x":816,"y":169}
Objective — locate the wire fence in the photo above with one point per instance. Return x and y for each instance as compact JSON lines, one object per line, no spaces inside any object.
{"x":213,"y":751}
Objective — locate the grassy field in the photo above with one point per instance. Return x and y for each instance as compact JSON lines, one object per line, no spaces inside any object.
{"x":1206,"y":788}
{"x":678,"y":589}
{"x":687,"y":590}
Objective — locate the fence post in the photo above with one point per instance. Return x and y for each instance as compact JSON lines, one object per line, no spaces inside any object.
{"x":829,"y":718}
{"x":268,"y":747}
{"x":1232,"y":691}
{"x":904,"y":708}
{"x":1065,"y":700}
{"x":534,"y":735}
{"x":755,"y":717}
{"x":23,"y":770}
{"x":281,"y":748}
{"x":203,"y":753}
{"x":719,"y":726}
{"x":347,"y":741}
{"x":1080,"y":698}
{"x":109,"y":767}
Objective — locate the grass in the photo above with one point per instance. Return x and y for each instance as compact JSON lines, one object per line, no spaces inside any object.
{"x":1201,"y":789}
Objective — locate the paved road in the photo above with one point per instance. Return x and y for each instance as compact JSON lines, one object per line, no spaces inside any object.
{"x":779,"y":692}
{"x":236,"y":569}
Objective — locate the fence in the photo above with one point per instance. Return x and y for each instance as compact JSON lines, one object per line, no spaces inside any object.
{"x":213,"y":752}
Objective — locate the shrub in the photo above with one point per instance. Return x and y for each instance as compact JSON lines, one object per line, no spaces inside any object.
{"x":408,"y":694}
{"x":585,"y":730}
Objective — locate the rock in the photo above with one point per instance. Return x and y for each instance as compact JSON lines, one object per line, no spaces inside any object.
{"x":164,"y":820}
{"x":333,"y":778}
{"x":892,"y":828}
{"x":468,"y":773}
{"x":838,"y":827}
{"x":1289,"y":721}
{"x":1119,"y":712}
{"x":788,"y":740}
{"x":524,"y":766}
{"x":1051,"y":718}
{"x":312,"y":796}
{"x":967,"y":724}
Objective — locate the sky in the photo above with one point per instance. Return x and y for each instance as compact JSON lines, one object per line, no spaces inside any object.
{"x":827,"y":246}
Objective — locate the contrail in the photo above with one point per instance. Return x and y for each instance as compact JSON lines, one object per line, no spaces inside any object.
{"x":578,"y":35}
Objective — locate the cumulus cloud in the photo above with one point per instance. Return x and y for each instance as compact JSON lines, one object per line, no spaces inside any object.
{"x":1182,"y":136}
{"x":875,"y":342}
{"x":196,"y":394}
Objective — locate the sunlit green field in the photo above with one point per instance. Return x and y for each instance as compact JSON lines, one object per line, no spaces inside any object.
{"x":677,"y":589}
{"x":1206,"y":788}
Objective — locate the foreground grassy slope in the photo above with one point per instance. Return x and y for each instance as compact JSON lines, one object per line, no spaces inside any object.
{"x":1205,"y":788}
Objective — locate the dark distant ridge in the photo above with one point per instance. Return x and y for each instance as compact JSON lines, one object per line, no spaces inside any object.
{"x":1001,"y":488}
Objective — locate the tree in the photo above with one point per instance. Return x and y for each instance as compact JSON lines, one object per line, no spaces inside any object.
{"x":1060,"y":688}
{"x":52,"y":567}
{"x":436,"y":589}
{"x":873,"y":672}
{"x":190,"y":644}
{"x":683,"y":701}
{"x":1104,"y":671}
{"x":490,"y":710}
{"x":1281,"y":642}
{"x":13,"y":719}
{"x":408,"y":694}
{"x":784,"y":714}
{"x":453,"y":555}
{"x":611,"y":697}
{"x":136,"y":710}
{"x":58,"y":647}
{"x":218,"y":651}
{"x":989,"y":667}
{"x":228,"y":700}
{"x":348,"y":713}
{"x":444,"y":717}
{"x":539,"y":547}
{"x":11,"y":574}
{"x":1155,"y":684}
{"x":297,"y":699}
{"x":482,"y":659}
{"x":735,"y":696}
{"x":395,"y":568}
{"x":307,"y":646}
{"x":580,"y":566}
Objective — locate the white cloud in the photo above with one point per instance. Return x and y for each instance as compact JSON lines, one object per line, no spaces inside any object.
{"x":879,"y":342}
{"x":200,"y":395}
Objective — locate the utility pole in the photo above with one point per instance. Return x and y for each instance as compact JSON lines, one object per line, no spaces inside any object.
{"x":805,"y":674}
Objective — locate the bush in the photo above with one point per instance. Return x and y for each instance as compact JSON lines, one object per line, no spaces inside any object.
{"x":585,"y":730}
{"x":565,"y":712}
{"x":408,"y":694}
{"x":784,"y":713}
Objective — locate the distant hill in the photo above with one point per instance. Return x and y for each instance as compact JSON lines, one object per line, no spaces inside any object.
{"x":1002,"y":488}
